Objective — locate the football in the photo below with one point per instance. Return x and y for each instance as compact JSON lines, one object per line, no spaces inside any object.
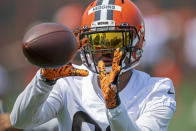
{"x":49,"y":45}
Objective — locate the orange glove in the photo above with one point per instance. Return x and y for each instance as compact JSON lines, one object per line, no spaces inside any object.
{"x":82,"y":42}
{"x":67,"y":70}
{"x":109,"y":81}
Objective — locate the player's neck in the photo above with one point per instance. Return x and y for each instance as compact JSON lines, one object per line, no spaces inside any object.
{"x":124,"y":79}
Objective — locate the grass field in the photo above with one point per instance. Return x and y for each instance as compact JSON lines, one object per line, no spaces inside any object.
{"x":185,"y":116}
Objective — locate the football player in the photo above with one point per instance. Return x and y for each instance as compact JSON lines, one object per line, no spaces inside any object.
{"x":113,"y":95}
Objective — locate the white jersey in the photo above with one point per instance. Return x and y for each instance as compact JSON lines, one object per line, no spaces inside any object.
{"x":147,"y":103}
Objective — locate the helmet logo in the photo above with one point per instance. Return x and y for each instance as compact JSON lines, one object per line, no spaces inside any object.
{"x":105,"y":7}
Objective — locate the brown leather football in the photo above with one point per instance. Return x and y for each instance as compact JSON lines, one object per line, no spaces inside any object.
{"x":49,"y":45}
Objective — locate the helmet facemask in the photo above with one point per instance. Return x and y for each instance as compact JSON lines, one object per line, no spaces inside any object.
{"x":103,"y":41}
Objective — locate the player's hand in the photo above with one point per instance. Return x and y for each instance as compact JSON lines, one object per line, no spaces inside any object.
{"x":109,"y":82}
{"x":5,"y":124}
{"x":82,"y":42}
{"x":65,"y":71}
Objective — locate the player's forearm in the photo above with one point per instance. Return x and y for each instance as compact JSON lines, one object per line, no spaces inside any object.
{"x":29,"y":104}
{"x":120,"y":121}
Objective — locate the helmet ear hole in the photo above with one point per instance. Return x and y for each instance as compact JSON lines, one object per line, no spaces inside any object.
{"x":122,"y":1}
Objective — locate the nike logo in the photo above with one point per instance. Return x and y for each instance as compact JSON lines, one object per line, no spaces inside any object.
{"x":169,"y":92}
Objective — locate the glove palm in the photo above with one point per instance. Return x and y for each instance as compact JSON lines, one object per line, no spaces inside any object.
{"x":109,"y":81}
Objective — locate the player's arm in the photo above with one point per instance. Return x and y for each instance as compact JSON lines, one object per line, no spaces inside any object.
{"x":39,"y":102}
{"x":28,"y":108}
{"x":155,"y":120}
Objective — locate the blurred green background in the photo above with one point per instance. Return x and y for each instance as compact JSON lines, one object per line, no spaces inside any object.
{"x":169,"y":52}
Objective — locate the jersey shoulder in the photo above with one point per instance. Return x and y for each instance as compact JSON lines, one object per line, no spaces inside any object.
{"x":146,"y":79}
{"x":160,"y":90}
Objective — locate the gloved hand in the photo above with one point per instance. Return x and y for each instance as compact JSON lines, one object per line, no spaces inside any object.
{"x":82,"y":42}
{"x":67,"y":70}
{"x":51,"y":75}
{"x":109,"y":82}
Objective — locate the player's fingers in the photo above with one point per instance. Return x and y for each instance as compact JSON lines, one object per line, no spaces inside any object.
{"x":83,"y":42}
{"x":113,"y":74}
{"x":117,"y":58}
{"x":101,"y":68}
{"x":76,"y":32}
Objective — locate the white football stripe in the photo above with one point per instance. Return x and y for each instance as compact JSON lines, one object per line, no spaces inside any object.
{"x":105,"y":2}
{"x":103,"y":15}
{"x":104,"y":12}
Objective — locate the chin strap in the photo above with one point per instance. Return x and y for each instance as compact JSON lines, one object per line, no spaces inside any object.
{"x":130,"y":68}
